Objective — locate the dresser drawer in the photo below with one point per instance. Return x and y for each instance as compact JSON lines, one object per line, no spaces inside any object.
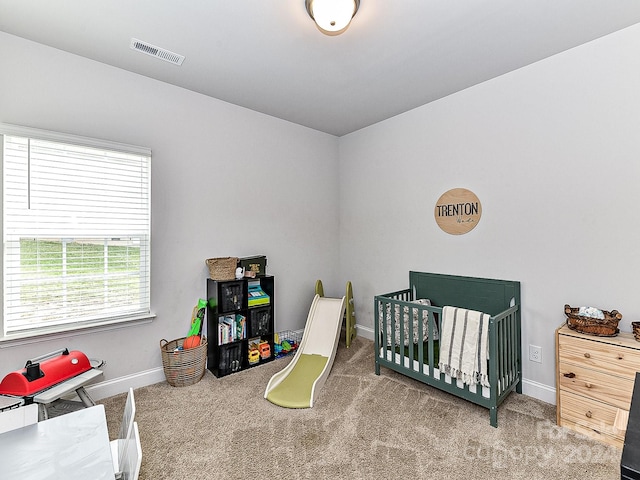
{"x":595,"y":384}
{"x":588,"y":432}
{"x":613,"y":359}
{"x":590,"y":415}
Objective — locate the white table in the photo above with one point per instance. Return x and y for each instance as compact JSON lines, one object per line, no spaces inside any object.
{"x":74,"y":446}
{"x":77,"y":383}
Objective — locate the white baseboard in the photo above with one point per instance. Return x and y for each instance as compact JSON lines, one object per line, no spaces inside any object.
{"x":112,"y":387}
{"x":365,"y":332}
{"x":119,"y":385}
{"x":539,"y":390}
{"x":529,"y":387}
{"x":115,"y":386}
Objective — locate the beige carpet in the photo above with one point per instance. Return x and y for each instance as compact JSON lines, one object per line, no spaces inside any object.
{"x":362,"y":426}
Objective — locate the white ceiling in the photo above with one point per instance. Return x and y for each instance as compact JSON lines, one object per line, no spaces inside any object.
{"x":269,"y":57}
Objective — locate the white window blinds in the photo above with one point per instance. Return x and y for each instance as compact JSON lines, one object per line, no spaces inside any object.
{"x":76,"y":233}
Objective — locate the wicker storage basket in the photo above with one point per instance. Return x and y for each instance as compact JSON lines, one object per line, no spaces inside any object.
{"x":183,"y":367}
{"x":222,"y":268}
{"x":602,"y":327}
{"x":636,"y":330}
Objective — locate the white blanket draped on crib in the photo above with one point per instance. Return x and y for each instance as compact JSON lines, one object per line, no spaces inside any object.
{"x":464,"y":345}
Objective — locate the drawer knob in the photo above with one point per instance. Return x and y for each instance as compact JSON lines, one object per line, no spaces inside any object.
{"x":587,"y":355}
{"x":620,"y":357}
{"x":570,"y":375}
{"x":589,"y":414}
{"x":588,"y":385}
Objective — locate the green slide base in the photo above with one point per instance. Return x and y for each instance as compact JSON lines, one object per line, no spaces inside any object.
{"x":295,"y":390}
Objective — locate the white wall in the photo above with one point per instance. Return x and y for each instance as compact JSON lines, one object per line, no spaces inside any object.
{"x":552,"y":151}
{"x":225,"y":181}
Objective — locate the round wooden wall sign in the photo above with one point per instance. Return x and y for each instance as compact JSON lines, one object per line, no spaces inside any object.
{"x":458,"y":211}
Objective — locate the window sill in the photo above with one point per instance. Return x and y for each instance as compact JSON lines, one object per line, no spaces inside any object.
{"x":65,"y":331}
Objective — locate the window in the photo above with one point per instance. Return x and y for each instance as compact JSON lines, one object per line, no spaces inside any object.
{"x":76,"y":231}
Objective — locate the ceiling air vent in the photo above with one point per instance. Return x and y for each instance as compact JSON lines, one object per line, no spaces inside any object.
{"x":157,"y":52}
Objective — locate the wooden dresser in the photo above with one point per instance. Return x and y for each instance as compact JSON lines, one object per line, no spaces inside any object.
{"x":630,"y":461}
{"x":594,"y":383}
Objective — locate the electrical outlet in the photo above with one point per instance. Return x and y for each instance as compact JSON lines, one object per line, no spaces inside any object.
{"x":535,"y":353}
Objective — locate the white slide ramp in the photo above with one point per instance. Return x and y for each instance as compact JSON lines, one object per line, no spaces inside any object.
{"x":298,"y":384}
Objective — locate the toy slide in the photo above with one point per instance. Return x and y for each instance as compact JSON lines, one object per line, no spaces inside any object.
{"x":298,"y":384}
{"x":350,"y":314}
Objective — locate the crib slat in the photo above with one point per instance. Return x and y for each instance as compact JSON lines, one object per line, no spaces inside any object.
{"x":382,"y":315}
{"x":430,"y":359}
{"x":505,"y":347}
{"x":503,"y":355}
{"x":493,"y":357}
{"x":421,"y":366}
{"x":500,"y":355}
{"x":512,"y":343}
{"x":376,"y":336}
{"x":409,"y":340}
{"x":507,"y":353}
{"x":514,"y":349}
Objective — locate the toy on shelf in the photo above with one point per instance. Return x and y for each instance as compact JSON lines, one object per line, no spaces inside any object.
{"x":257,"y":296}
{"x":259,"y":350}
{"x":265,"y":350}
{"x":254,"y":356}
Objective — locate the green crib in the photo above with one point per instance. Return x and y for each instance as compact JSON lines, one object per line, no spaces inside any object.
{"x":407,"y":325}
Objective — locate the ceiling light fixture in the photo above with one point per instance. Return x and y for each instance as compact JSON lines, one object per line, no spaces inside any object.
{"x":332,"y":17}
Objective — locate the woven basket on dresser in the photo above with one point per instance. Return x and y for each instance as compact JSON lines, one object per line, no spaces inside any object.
{"x":183,"y":367}
{"x":602,"y":327}
{"x":222,"y":268}
{"x":636,"y":330}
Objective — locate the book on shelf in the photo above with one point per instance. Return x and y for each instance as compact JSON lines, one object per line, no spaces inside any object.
{"x":231,"y":328}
